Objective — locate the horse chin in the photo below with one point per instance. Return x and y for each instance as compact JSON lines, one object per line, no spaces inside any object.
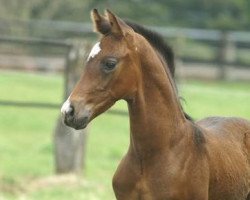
{"x":81,"y":123}
{"x":80,"y":127}
{"x":77,"y":124}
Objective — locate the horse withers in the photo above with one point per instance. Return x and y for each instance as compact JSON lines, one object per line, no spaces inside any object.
{"x":170,"y":157}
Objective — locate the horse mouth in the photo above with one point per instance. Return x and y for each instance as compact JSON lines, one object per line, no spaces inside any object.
{"x":77,"y":124}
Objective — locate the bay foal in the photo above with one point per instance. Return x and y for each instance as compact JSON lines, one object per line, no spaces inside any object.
{"x":170,"y":157}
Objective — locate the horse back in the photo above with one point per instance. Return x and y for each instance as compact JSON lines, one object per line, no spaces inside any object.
{"x":228,"y":150}
{"x":228,"y":129}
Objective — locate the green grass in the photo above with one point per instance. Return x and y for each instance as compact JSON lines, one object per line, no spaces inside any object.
{"x":26,"y":149}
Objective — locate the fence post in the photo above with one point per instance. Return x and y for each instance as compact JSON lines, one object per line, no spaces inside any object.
{"x":69,"y":144}
{"x":226,"y":54}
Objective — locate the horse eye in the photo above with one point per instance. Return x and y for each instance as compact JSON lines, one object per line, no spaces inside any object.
{"x":109,"y":64}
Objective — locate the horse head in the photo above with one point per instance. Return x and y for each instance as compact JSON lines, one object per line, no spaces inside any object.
{"x":110,"y":72}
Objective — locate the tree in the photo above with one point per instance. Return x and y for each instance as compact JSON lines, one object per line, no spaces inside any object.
{"x":69,"y":144}
{"x":224,"y":14}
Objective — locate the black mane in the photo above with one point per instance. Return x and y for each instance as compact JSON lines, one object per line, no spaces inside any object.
{"x":157,"y":41}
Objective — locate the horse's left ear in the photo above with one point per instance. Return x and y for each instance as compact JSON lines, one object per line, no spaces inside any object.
{"x":101,"y":24}
{"x":118,"y":26}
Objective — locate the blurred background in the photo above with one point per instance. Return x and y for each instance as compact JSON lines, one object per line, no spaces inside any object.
{"x":43,"y":46}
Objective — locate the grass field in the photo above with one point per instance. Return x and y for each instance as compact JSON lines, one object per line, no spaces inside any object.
{"x":26,"y":150}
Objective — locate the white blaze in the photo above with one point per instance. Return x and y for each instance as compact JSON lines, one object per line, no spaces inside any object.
{"x":94,"y":51}
{"x":66,"y":107}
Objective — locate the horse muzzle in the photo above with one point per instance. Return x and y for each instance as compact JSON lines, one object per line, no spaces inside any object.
{"x":77,"y":120}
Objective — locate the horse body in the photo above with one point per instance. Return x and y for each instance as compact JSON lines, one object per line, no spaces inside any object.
{"x":170,"y":157}
{"x":216,"y":170}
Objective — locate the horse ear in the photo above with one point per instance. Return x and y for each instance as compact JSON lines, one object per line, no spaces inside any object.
{"x":101,"y":24}
{"x":118,"y":26}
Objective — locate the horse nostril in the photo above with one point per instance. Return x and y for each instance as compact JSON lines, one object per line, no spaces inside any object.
{"x":70,"y":111}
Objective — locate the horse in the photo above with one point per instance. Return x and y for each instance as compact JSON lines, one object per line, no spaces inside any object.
{"x":170,"y":156}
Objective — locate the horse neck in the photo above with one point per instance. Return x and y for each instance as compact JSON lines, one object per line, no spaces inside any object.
{"x":156,"y":118}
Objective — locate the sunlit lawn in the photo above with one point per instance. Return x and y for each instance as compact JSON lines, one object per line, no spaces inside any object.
{"x":26,"y":148}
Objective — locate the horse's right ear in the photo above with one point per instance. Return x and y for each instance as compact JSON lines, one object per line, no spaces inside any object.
{"x":101,"y":24}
